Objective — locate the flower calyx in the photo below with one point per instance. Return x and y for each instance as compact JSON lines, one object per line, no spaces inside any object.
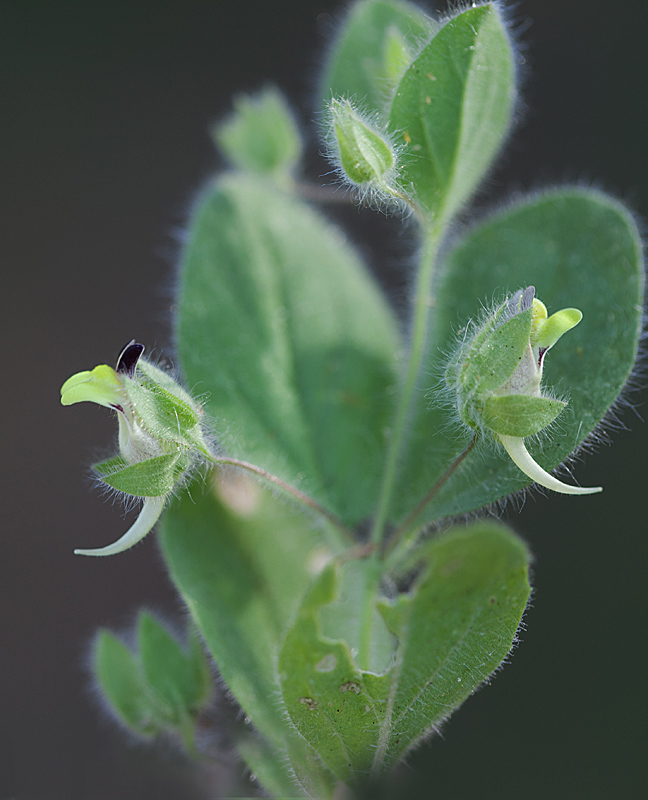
{"x":497,"y":374}
{"x":161,"y":437}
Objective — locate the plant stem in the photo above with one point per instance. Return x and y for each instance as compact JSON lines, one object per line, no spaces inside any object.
{"x":302,"y":497}
{"x":374,"y":571}
{"x":417,"y":350}
{"x":338,"y":195}
{"x":419,"y":335}
{"x":404,"y":528}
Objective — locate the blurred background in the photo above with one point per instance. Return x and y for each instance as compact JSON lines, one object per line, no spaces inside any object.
{"x":103,"y":144}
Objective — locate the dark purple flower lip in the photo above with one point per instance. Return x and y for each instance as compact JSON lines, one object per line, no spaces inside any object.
{"x":521,"y":301}
{"x":128,"y":358}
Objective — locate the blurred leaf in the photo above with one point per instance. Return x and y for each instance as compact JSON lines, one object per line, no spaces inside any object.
{"x":453,"y":109}
{"x":577,"y":247}
{"x":121,"y":680}
{"x":454,"y":627}
{"x":293,"y":343}
{"x":168,"y":669}
{"x":376,"y":43}
{"x":286,"y":774}
{"x":261,"y":135}
{"x":242,"y":566}
{"x":199,"y":669}
{"x":267,"y":764}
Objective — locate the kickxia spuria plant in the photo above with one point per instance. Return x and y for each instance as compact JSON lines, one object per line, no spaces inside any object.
{"x":307,"y":500}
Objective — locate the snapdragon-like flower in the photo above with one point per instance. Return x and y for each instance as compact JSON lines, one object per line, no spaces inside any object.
{"x":496,"y":377}
{"x":160,"y":435}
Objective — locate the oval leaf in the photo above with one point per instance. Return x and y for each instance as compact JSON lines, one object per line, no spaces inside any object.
{"x":282,"y":327}
{"x":121,"y":680}
{"x":454,"y":628}
{"x":453,"y":109}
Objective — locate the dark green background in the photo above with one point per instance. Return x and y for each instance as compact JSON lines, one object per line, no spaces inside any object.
{"x":103,"y":144}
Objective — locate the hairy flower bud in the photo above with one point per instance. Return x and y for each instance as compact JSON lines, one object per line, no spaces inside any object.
{"x":160,"y":434}
{"x":496,"y":378}
{"x":365,"y":155}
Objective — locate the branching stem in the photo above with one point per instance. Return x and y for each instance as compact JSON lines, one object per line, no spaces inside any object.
{"x":419,"y":335}
{"x":300,"y":496}
{"x":406,"y":526}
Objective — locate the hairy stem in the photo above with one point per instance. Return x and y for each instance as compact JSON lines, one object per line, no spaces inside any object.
{"x":407,"y":525}
{"x":367,"y":610}
{"x":300,"y":496}
{"x":419,"y":335}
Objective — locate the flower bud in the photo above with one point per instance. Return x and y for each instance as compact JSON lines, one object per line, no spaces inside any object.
{"x":160,"y":434}
{"x":261,"y":135}
{"x":496,"y":378}
{"x":364,"y":154}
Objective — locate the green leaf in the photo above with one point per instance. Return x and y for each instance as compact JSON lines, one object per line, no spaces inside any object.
{"x":168,"y":670}
{"x":280,"y":324}
{"x":454,"y":627}
{"x":286,"y":774}
{"x":121,"y":680}
{"x":343,"y":619}
{"x":261,"y":134}
{"x":242,"y":566}
{"x":154,"y":477}
{"x":577,"y":247}
{"x":378,"y":40}
{"x":268,"y":765}
{"x":199,"y":669}
{"x":324,"y":690}
{"x":520,"y":414}
{"x":453,"y":108}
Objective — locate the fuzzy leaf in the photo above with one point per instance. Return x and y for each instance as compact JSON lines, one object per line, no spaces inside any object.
{"x":292,"y":341}
{"x":454,"y":628}
{"x":154,"y":477}
{"x":242,"y":566}
{"x":577,"y":247}
{"x":520,"y":414}
{"x":261,"y":134}
{"x":378,"y":40}
{"x":169,"y":671}
{"x":268,"y":766}
{"x":453,"y":108}
{"x":121,"y":680}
